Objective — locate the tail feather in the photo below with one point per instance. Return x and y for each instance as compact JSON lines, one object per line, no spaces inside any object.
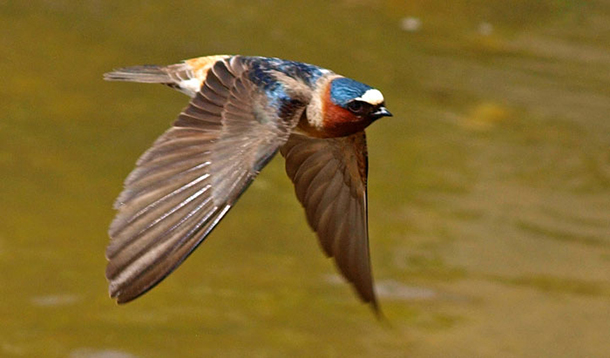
{"x":186,"y":77}
{"x":143,"y":74}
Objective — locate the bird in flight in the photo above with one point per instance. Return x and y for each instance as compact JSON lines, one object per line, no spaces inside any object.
{"x":243,"y":110}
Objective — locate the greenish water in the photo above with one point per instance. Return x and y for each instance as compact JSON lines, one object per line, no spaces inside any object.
{"x":489,"y":188}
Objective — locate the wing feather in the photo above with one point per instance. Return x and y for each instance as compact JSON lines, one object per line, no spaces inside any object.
{"x":329,"y":176}
{"x":191,"y":176}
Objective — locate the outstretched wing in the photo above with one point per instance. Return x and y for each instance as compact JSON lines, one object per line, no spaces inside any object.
{"x":330,"y":176}
{"x":193,"y":174}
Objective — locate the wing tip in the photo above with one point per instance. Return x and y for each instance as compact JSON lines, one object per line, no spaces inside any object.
{"x":119,"y":298}
{"x":123,"y":293}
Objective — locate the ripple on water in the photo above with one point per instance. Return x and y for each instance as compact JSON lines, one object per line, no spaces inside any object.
{"x":392,"y":289}
{"x":99,"y":353}
{"x":55,"y":300}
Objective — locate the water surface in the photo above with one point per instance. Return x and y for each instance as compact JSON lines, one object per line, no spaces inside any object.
{"x":489,"y":188}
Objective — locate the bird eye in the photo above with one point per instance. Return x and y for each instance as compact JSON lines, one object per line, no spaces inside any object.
{"x":355,"y":107}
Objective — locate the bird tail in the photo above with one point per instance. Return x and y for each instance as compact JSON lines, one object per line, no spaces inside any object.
{"x":186,"y":77}
{"x":143,"y":74}
{"x":178,"y":76}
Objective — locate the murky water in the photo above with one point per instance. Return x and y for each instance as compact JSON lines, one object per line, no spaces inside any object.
{"x":489,"y":189}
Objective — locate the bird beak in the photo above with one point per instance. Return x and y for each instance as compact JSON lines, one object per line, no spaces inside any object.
{"x":381,"y":112}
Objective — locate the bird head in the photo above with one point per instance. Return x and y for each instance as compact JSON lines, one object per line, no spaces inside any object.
{"x":350,"y":106}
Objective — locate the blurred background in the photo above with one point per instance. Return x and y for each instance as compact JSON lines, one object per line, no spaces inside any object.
{"x":489,"y":188}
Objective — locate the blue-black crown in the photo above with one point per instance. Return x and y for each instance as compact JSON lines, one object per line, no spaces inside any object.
{"x":343,"y":90}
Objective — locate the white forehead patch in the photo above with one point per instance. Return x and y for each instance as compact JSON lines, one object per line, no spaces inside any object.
{"x":372,"y":96}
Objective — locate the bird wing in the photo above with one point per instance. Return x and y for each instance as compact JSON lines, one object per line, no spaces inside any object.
{"x":330,"y":177}
{"x":193,"y":174}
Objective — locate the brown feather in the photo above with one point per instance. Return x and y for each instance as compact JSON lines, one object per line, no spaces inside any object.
{"x":191,"y":177}
{"x":329,"y":175}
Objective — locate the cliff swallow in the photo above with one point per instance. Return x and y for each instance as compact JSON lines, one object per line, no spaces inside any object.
{"x":243,"y":110}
